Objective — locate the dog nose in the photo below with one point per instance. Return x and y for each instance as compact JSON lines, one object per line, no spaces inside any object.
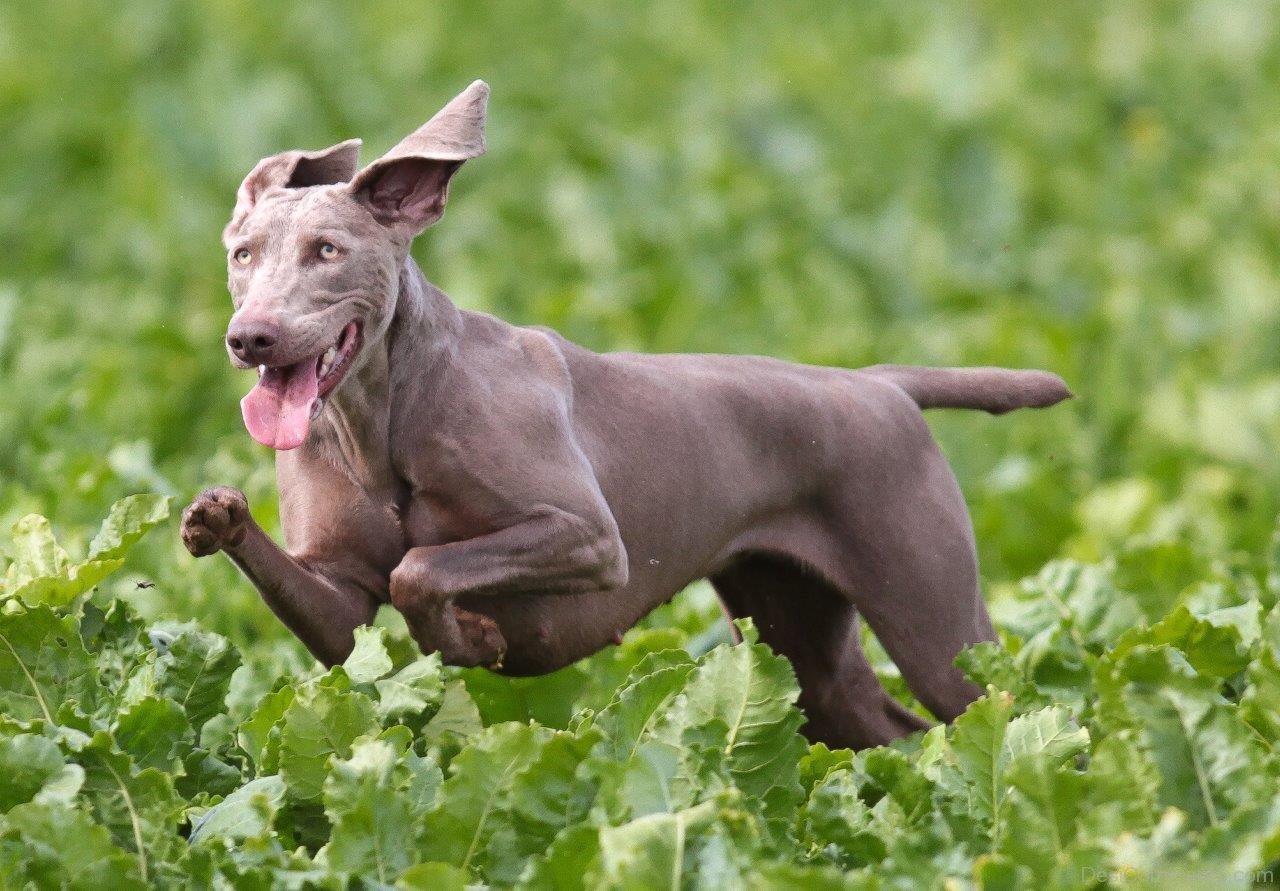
{"x":252,"y":340}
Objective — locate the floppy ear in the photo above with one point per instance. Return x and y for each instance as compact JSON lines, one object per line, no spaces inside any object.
{"x":294,"y":169}
{"x":407,"y":187}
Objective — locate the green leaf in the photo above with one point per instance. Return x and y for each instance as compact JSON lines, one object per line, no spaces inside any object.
{"x":986,"y":738}
{"x":155,"y":732}
{"x":204,"y":774}
{"x":434,"y":877}
{"x":989,"y":664}
{"x":413,"y":691}
{"x":140,"y":808}
{"x":1074,"y":595}
{"x":43,"y":665}
{"x":547,"y":699}
{"x":1059,"y":664}
{"x":571,"y":857}
{"x":556,"y":790}
{"x":819,"y":762}
{"x":247,"y":812}
{"x":1270,"y":632}
{"x":1159,"y":849}
{"x":36,"y":553}
{"x":59,"y":590}
{"x":781,"y":876}
{"x":372,"y":817}
{"x":894,"y":772}
{"x":977,"y":753}
{"x":1210,"y":761}
{"x":128,"y":521}
{"x":117,"y":640}
{"x":1042,"y":827}
{"x":994,"y":872}
{"x":837,"y":823}
{"x":643,"y":784}
{"x":747,"y":631}
{"x":609,"y":669}
{"x":259,"y":736}
{"x":1215,"y":650}
{"x":702,"y":846}
{"x":457,"y":718}
{"x":640,"y":702}
{"x":47,"y":845}
{"x":1157,"y":573}
{"x":1124,"y":787}
{"x":752,"y":692}
{"x":476,"y":793}
{"x":1245,"y":618}
{"x":369,"y":659}
{"x":321,"y":721}
{"x":1049,"y":733}
{"x":34,"y":770}
{"x":1260,"y":704}
{"x":43,"y":573}
{"x":257,"y":863}
{"x":635,"y":768}
{"x":195,"y":671}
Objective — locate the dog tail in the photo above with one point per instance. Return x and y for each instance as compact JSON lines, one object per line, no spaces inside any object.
{"x":994,"y":390}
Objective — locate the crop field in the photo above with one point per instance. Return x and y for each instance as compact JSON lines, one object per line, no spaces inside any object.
{"x":1091,"y":188}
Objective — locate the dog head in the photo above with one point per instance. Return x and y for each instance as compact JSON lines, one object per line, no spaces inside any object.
{"x":314,"y":252}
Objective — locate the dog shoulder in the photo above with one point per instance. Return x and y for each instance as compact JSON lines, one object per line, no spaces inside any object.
{"x":542,"y":349}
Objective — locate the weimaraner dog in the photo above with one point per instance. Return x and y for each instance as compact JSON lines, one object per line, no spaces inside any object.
{"x":523,"y":500}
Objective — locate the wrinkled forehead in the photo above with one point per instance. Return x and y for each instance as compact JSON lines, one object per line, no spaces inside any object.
{"x":320,"y":210}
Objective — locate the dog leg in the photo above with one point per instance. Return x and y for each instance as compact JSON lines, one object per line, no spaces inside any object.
{"x":916,"y":583}
{"x":553,"y":553}
{"x":809,"y":621}
{"x":322,"y":614}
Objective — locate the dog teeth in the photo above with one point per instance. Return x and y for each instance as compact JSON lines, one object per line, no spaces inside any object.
{"x":316,"y":408}
{"x":326,"y":362}
{"x":262,"y":369}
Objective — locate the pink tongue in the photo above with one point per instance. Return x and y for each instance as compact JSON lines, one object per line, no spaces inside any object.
{"x":277,"y":411}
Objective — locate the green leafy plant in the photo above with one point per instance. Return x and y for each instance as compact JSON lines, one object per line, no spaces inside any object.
{"x":152,"y":755}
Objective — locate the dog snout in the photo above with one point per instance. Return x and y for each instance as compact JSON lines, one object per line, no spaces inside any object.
{"x":253,"y":340}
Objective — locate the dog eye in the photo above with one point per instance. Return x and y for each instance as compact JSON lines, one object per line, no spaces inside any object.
{"x":328,"y":251}
{"x":243,"y":256}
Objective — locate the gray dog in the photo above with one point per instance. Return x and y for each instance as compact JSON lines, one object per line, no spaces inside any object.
{"x":523,"y":501}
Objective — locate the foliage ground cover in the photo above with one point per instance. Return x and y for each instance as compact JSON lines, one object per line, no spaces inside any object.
{"x":1128,"y":736}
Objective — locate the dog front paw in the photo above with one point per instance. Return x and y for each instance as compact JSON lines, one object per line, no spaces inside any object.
{"x":215,"y":521}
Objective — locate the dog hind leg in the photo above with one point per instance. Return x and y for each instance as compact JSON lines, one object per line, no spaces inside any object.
{"x":808,"y":620}
{"x":914,"y":578}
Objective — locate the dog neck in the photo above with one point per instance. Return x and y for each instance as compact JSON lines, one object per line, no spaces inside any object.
{"x":405,"y":365}
{"x":422,"y":340}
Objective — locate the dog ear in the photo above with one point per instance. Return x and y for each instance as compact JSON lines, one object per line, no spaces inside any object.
{"x":406,"y":188}
{"x":294,"y":169}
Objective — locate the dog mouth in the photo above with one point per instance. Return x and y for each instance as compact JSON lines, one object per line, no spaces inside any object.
{"x":279,"y":410}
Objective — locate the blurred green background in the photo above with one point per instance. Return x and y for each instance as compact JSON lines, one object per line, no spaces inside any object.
{"x":1092,"y":188}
